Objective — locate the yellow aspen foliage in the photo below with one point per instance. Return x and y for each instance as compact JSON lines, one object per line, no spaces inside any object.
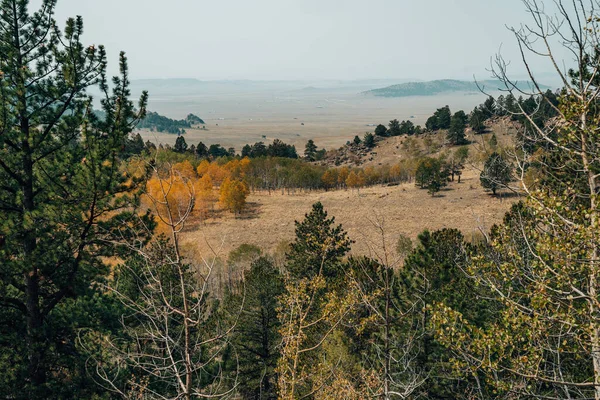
{"x":329,"y":178}
{"x":170,"y":198}
{"x":203,"y":168}
{"x":343,"y":175}
{"x":361,"y":179}
{"x":395,"y":172}
{"x":185,"y":169}
{"x":216,"y":172}
{"x":245,"y":165}
{"x":233,"y":195}
{"x":205,"y":196}
{"x":352,"y":180}
{"x":371,"y":175}
{"x":237,"y":169}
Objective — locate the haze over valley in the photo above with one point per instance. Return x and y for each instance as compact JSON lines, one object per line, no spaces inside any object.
{"x":329,"y":112}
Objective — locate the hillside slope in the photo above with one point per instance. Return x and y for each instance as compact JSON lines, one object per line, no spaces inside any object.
{"x":436,"y":87}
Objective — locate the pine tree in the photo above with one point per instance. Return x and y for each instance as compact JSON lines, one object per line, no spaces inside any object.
{"x":456,"y":132}
{"x":201,"y":150}
{"x":310,"y":150}
{"x":394,"y":128}
{"x":256,"y":337}
{"x":180,"y":145}
{"x":381,"y":130}
{"x":319,"y":245}
{"x":369,"y":140}
{"x":497,"y":173}
{"x":62,"y":196}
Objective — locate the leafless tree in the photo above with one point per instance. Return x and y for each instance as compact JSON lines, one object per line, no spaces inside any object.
{"x":544,"y":265}
{"x":174,"y":340}
{"x":395,"y":349}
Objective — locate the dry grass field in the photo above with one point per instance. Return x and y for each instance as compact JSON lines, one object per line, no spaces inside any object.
{"x":405,"y":210}
{"x":329,"y":118}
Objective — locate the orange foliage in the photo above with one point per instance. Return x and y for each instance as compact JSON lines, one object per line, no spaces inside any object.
{"x":217,"y":173}
{"x":237,"y":168}
{"x":343,"y":175}
{"x":205,"y":197}
{"x":171,"y":199}
{"x":185,"y":169}
{"x":329,"y":178}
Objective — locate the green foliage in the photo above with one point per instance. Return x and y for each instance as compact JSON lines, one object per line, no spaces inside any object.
{"x":430,"y":175}
{"x":281,"y":149}
{"x":201,"y":150}
{"x":381,"y":130}
{"x":456,"y":132}
{"x":64,"y":198}
{"x":256,"y":338}
{"x":394,"y":128}
{"x":407,"y":128}
{"x":319,"y":246}
{"x":310,"y":150}
{"x":369,"y":140}
{"x":477,"y":120}
{"x":434,"y":269}
{"x":496,"y":174}
{"x":180,"y":145}
{"x":404,"y":246}
{"x":217,"y":151}
{"x":194,"y":120}
{"x":159,"y":123}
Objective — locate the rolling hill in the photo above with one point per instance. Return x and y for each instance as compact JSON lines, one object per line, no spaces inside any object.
{"x":432,"y":88}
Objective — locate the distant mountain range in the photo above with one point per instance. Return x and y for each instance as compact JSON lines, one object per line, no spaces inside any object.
{"x":433,"y":88}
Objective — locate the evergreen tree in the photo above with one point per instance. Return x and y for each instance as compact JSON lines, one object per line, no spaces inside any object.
{"x":280,"y":149}
{"x":310,"y":150}
{"x":435,"y":269}
{"x":202,"y":150}
{"x":394,"y":128}
{"x":369,"y":140}
{"x":489,"y":107}
{"x":180,"y":145}
{"x":476,"y":120}
{"x":216,"y":151}
{"x":134,"y":145}
{"x":407,"y":128}
{"x":381,"y":130}
{"x":497,"y":173}
{"x":430,"y":175}
{"x":258,"y":150}
{"x":432,"y":123}
{"x":63,"y":197}
{"x":319,"y":246}
{"x":256,"y":335}
{"x":443,"y":117}
{"x":357,"y":140}
{"x":246,"y":151}
{"x":456,"y":133}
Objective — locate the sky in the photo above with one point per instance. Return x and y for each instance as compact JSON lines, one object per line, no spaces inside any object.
{"x":303,"y":39}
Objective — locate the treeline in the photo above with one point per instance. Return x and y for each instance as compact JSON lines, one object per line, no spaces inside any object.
{"x":290,"y":175}
{"x":539,"y":108}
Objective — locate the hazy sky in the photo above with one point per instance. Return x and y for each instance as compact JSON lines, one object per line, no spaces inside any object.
{"x":302,"y":39}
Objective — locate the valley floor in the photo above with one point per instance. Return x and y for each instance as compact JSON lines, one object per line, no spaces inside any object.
{"x":406,"y":209}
